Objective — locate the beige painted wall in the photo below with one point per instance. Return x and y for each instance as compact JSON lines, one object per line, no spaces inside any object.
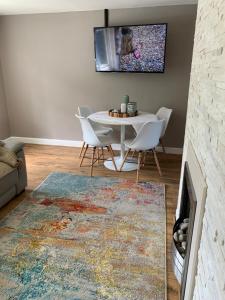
{"x":4,"y":121}
{"x":48,"y":68}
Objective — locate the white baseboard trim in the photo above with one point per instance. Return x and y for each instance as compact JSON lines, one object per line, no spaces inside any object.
{"x":71,"y":143}
{"x":171,"y":150}
{"x":50,"y":142}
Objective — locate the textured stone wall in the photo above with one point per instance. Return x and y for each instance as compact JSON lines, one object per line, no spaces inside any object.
{"x":205,"y":128}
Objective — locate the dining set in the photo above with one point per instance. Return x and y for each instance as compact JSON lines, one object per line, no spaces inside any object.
{"x":98,"y":135}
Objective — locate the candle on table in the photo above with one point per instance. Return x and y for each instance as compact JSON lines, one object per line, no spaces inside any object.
{"x":123,"y":107}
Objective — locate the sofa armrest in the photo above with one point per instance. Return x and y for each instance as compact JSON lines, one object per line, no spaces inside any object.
{"x":17,"y":148}
{"x":14,"y":146}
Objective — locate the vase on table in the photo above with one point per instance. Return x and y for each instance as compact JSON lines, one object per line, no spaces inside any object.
{"x":124,"y":104}
{"x":126,"y":99}
{"x":132,"y":108}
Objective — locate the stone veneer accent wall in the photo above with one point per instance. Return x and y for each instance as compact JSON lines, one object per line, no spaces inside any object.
{"x":205,"y":129}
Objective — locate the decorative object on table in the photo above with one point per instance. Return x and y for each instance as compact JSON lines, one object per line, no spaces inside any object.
{"x":126,"y":99}
{"x":81,"y":237}
{"x":118,"y":114}
{"x":132,"y":109}
{"x":123,"y":108}
{"x":123,"y":105}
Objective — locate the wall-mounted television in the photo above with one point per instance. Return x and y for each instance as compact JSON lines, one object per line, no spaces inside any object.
{"x":135,"y":48}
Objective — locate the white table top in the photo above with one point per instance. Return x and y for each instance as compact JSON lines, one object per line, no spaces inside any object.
{"x":104,"y":118}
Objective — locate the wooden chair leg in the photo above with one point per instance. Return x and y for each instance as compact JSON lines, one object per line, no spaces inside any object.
{"x":139,"y":165}
{"x":82,"y":148}
{"x":162,"y":144}
{"x":125,"y":157}
{"x":133,"y":153}
{"x":112,"y":156}
{"x":157,"y":162}
{"x":144,"y":158}
{"x":92,"y":161}
{"x":103,"y":153}
{"x":86,"y":148}
{"x":98,"y":157}
{"x":112,"y":150}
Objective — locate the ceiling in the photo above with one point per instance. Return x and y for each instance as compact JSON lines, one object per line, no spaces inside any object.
{"x":9,"y":7}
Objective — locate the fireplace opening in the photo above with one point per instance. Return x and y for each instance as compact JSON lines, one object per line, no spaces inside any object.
{"x":183,"y":230}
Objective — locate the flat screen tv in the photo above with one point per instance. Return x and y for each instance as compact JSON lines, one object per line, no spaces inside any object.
{"x":135,"y":48}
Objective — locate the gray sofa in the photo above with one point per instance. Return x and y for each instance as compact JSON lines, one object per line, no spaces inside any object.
{"x":15,"y":180}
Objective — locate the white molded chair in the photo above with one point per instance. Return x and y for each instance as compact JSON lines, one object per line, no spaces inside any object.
{"x":164,"y":114}
{"x":96,"y":142}
{"x":146,"y":139}
{"x":85,"y":111}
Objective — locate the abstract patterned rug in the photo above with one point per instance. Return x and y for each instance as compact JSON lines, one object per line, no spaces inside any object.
{"x":85,"y":238}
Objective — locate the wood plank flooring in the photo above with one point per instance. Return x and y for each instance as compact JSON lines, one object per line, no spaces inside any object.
{"x":42,"y":160}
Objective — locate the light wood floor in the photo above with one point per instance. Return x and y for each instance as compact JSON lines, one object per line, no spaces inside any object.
{"x":41,"y":160}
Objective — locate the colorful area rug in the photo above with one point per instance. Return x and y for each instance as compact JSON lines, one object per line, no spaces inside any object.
{"x":85,"y":238}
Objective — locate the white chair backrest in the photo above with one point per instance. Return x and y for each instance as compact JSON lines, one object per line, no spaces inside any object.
{"x":164,"y":114}
{"x":89,"y":135}
{"x":148,"y":136}
{"x":85,"y":111}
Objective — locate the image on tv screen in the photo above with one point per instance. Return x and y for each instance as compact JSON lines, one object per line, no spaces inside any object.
{"x":130,"y":48}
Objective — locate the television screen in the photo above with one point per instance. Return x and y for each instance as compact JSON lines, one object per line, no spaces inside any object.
{"x":138,"y":48}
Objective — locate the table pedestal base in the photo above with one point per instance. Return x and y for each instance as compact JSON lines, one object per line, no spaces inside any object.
{"x":129,"y":165}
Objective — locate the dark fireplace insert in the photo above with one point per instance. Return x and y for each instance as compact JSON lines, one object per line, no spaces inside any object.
{"x":182,"y":231}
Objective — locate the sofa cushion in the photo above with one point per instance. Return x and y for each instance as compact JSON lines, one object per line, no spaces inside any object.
{"x":8,"y":157}
{"x":9,"y":180}
{"x":4,"y":169}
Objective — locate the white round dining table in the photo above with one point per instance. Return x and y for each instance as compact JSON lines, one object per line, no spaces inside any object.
{"x":103,"y":117}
